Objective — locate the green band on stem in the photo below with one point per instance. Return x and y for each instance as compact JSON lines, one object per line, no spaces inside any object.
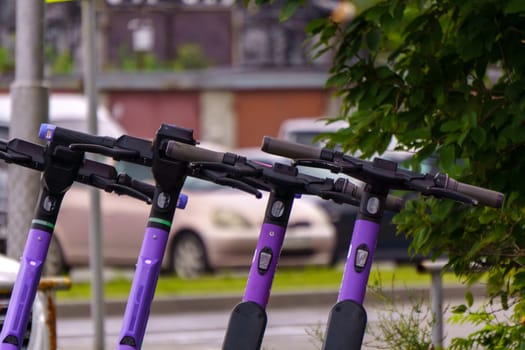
{"x":160,"y":221}
{"x":43,"y":223}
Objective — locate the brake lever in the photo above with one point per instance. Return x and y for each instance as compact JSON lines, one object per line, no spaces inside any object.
{"x":121,"y":189}
{"x":339,"y":198}
{"x":111,"y":186}
{"x":227,"y":181}
{"x":115,"y":153}
{"x":225,"y":168}
{"x":145,"y":188}
{"x":15,"y":158}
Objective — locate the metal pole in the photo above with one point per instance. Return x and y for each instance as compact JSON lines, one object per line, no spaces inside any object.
{"x":437,"y":308}
{"x":95,"y":227}
{"x":29,"y":108}
{"x":435,"y":268}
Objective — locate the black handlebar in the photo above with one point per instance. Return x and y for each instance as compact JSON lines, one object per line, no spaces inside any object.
{"x":129,"y":148}
{"x":237,"y":171}
{"x":381,"y":170}
{"x":92,"y":173}
{"x":50,"y":132}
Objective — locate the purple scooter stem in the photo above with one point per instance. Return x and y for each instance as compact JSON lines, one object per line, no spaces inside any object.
{"x":24,"y":291}
{"x":347,"y":321}
{"x":264,"y":265}
{"x":359,"y":262}
{"x":143,"y":288}
{"x":248,"y":318}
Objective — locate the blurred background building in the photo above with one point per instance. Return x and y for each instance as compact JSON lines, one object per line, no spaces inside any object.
{"x":231,"y":73}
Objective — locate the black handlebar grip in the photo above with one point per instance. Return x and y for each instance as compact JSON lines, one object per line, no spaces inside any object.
{"x":290,"y":149}
{"x":189,"y":153}
{"x":50,"y":132}
{"x":482,"y":195}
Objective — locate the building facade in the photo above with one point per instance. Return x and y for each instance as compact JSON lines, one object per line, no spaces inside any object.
{"x":231,"y":73}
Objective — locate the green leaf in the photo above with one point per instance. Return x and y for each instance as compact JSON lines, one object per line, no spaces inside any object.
{"x":514,"y":6}
{"x":373,"y":37}
{"x":488,"y":217}
{"x":450,"y":126}
{"x":384,"y":72}
{"x":328,"y":33}
{"x":316,"y":26}
{"x":289,"y":8}
{"x":469,"y":297}
{"x":338,"y":80}
{"x":447,"y":156}
{"x":417,"y":134}
{"x":479,"y":135}
{"x":519,"y":279}
{"x":374,"y":13}
{"x":460,"y":309}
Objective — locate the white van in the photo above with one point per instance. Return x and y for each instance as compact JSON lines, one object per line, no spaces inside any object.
{"x":68,"y":111}
{"x":305,"y":130}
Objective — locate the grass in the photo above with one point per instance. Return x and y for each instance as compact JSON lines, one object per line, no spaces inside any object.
{"x":286,"y":279}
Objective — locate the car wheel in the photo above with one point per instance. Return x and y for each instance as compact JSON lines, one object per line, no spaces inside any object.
{"x":55,"y":263}
{"x":188,"y":256}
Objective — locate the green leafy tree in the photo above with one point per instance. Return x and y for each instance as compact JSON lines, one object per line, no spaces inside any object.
{"x":445,"y":78}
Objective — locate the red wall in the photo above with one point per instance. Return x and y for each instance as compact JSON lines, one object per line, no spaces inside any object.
{"x":260,"y":113}
{"x":142,"y":112}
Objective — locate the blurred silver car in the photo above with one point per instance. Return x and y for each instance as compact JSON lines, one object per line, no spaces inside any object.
{"x":37,"y":335}
{"x":218,"y":229}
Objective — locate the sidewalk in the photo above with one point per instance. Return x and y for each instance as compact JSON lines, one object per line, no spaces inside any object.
{"x":319,"y":298}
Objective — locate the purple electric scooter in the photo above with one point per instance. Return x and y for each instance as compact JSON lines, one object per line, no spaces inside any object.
{"x":61,"y":166}
{"x":248,"y":319}
{"x":169,"y":178}
{"x":347,"y":321}
{"x":169,"y":170}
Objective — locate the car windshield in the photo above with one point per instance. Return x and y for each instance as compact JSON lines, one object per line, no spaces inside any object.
{"x":307,"y":138}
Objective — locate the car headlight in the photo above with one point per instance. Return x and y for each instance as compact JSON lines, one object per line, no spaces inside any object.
{"x":228,"y":218}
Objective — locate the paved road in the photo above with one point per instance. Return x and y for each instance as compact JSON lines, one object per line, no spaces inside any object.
{"x":200,"y":323}
{"x":290,"y":329}
{"x":197,"y":331}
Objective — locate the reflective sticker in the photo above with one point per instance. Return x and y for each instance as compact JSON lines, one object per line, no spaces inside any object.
{"x":163,"y":200}
{"x":361,"y":257}
{"x":49,"y":204}
{"x":277,"y":209}
{"x":372,"y":206}
{"x":265,"y":258}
